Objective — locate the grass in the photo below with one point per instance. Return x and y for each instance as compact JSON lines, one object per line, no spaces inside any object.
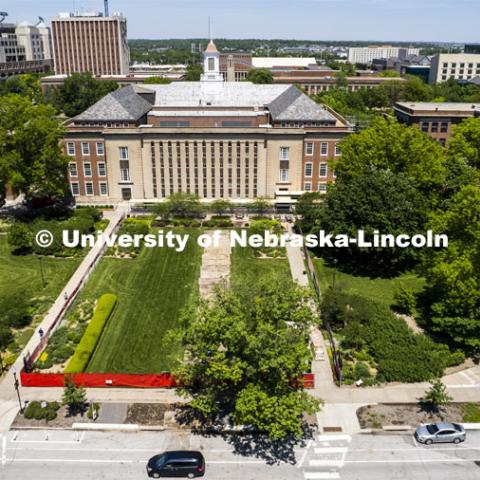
{"x":142,"y":335}
{"x":471,"y":412}
{"x":245,"y":268}
{"x":21,"y":275}
{"x":378,"y":289}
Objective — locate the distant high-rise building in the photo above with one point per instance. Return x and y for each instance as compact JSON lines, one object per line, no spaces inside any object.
{"x":90,"y":42}
{"x":472,"y":48}
{"x":368,"y":54}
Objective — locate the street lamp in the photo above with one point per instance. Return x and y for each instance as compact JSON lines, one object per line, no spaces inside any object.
{"x":335,"y":261}
{"x":40,"y":258}
{"x":16,"y":385}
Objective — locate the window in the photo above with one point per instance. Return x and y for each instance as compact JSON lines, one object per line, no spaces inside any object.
{"x":100,"y":148}
{"x":444,"y":127}
{"x":323,"y":170}
{"x":308,"y":169}
{"x":307,"y":187}
{"x":75,"y":189}
{"x":124,"y":171}
{"x":425,"y":126}
{"x":324,"y":149}
{"x":123,"y":153}
{"x":211,"y":64}
{"x":284,"y":153}
{"x":309,"y":148}
{"x":72,"y":167}
{"x":87,"y":169}
{"x":88,"y":189}
{"x":322,"y":187}
{"x":85,"y":148}
{"x":337,"y":150}
{"x":103,"y":189}
{"x":102,"y":171}
{"x":434,"y":127}
{"x":70,"y":149}
{"x":283,"y":175}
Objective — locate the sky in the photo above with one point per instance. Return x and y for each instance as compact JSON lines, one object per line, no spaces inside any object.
{"x":396,"y":20}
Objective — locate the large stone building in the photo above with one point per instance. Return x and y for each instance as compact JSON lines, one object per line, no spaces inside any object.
{"x":365,"y":55}
{"x":460,"y":66}
{"x":90,"y":43}
{"x":436,"y":119}
{"x":214,"y":138}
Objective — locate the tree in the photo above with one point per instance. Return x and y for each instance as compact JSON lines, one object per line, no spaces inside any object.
{"x":157,"y":80}
{"x":31,"y":159}
{"x":78,"y":92}
{"x":436,"y":397}
{"x":390,"y":145}
{"x":193,"y":73}
{"x":20,"y":237}
{"x":74,"y":397}
{"x":163,"y":210}
{"x":6,"y":337}
{"x":452,"y":296}
{"x":307,"y":207}
{"x":260,"y":205}
{"x":221,"y":206}
{"x":184,"y":204}
{"x":465,"y":142}
{"x":27,"y":85}
{"x":389,"y":74}
{"x":245,"y":354}
{"x":260,"y":75}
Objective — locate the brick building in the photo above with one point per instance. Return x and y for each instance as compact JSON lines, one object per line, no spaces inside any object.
{"x":90,"y":43}
{"x":217,"y":139}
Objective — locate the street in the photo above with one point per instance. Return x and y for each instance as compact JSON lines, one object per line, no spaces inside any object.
{"x":48,"y":455}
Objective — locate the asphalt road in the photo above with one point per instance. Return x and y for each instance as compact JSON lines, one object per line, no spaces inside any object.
{"x":101,"y":455}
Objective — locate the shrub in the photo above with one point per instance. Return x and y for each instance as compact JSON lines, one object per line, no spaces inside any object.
{"x":456,"y":358}
{"x":6,"y":336}
{"x":362,"y":371}
{"x":20,"y":237}
{"x":86,"y":347}
{"x":34,"y":410}
{"x":91,"y":408}
{"x":405,"y":301}
{"x":90,"y":212}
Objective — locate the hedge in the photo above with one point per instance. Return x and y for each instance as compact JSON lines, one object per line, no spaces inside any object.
{"x":86,"y":347}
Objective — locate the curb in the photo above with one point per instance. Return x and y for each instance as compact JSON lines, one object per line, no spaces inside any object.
{"x":106,"y":426}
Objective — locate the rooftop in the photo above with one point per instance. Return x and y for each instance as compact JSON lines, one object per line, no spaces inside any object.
{"x":439,"y":106}
{"x":270,"y":62}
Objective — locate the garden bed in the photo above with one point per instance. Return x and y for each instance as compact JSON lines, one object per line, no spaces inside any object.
{"x":378,"y":416}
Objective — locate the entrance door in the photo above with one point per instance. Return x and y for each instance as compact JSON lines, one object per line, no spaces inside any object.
{"x":126,"y":193}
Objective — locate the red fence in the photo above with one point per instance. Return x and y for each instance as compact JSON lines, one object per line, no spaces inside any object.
{"x":95,"y":380}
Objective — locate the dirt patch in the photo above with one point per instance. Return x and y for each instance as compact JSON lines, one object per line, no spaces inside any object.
{"x":377,"y":416}
{"x":63,"y":420}
{"x":148,"y":413}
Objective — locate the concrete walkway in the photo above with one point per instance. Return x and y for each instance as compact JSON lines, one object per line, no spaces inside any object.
{"x":215,"y":267}
{"x":297,"y":263}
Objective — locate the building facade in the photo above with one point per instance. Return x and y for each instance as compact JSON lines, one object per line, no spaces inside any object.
{"x":365,"y":55}
{"x":90,"y":43}
{"x":217,"y":139}
{"x":436,"y":119}
{"x":460,"y":66}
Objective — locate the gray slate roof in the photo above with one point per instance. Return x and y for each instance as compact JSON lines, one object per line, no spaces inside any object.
{"x":121,"y":105}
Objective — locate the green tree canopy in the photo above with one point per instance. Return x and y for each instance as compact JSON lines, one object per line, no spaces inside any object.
{"x":78,"y":92}
{"x":465,"y":142}
{"x":390,"y":145}
{"x":31,"y":160}
{"x":157,"y":80}
{"x":245,"y":357}
{"x":193,"y":73}
{"x":260,"y":75}
{"x":183,"y":204}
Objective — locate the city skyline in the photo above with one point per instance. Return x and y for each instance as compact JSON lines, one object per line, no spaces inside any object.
{"x":336,"y":20}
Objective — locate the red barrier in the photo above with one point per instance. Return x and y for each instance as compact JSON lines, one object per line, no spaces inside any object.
{"x":95,"y":380}
{"x":308,"y":380}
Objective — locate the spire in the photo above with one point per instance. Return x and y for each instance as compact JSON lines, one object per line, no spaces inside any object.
{"x":210,"y":34}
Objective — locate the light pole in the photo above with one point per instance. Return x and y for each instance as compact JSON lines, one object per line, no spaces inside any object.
{"x":17,"y":385}
{"x":335,"y":261}
{"x":40,"y":258}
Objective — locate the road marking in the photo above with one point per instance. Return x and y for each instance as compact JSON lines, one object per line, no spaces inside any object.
{"x":46,"y":440}
{"x":321,"y":475}
{"x":70,"y":460}
{"x":334,"y":438}
{"x":326,"y":463}
{"x":309,"y":444}
{"x":425,"y":460}
{"x":327,"y":450}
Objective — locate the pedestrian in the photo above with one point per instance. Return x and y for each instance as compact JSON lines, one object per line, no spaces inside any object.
{"x":41,"y":332}
{"x":65,"y":296}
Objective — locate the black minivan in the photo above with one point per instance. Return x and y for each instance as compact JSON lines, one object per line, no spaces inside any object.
{"x":180,"y":463}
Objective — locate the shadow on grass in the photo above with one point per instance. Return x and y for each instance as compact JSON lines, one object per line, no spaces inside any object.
{"x":246,"y":442}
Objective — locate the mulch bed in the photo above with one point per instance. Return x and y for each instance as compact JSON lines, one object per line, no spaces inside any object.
{"x":63,"y":420}
{"x":148,"y":413}
{"x":376,"y":416}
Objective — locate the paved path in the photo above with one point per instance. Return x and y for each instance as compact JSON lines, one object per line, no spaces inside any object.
{"x":297,"y":263}
{"x":215,"y":267}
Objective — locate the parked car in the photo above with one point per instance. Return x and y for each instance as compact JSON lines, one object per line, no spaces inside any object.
{"x":179,"y":463}
{"x":441,"y":432}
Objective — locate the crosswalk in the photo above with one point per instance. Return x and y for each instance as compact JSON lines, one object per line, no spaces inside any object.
{"x":326,"y":457}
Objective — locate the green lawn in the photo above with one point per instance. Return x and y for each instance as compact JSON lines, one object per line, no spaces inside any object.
{"x":142,"y":334}
{"x":245,"y":268}
{"x":20,"y":278}
{"x":379,"y":289}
